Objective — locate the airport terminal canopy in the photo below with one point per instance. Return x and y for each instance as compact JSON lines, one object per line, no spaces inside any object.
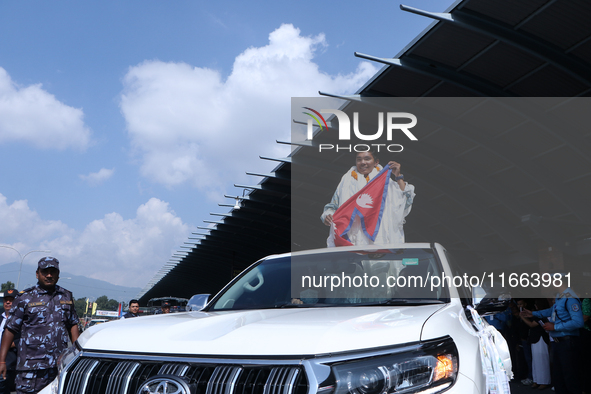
{"x":511,"y":195}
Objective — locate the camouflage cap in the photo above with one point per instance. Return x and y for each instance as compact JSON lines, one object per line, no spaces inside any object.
{"x":48,"y":262}
{"x":10,"y":293}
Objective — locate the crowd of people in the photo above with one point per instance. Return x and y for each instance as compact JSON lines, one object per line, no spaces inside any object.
{"x":549,"y":341}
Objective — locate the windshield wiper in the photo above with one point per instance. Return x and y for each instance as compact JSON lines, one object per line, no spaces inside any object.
{"x":402,"y":302}
{"x":290,"y":305}
{"x":390,"y":302}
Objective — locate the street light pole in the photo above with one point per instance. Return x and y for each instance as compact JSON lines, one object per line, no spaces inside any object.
{"x":22,"y":259}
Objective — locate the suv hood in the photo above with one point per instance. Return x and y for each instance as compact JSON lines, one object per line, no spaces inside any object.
{"x":269,"y":332}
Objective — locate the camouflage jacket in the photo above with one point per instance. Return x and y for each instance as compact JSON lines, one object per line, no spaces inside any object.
{"x":43,"y":321}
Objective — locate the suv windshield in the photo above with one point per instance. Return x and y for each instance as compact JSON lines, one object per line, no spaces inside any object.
{"x":339,"y":278}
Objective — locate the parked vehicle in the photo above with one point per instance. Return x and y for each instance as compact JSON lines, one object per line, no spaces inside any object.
{"x":96,"y":321}
{"x":284,"y":327}
{"x":177,"y":304}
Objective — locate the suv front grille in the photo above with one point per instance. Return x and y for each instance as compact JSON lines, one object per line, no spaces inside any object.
{"x":112,"y":376}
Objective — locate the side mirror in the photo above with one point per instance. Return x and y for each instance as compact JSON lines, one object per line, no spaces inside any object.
{"x":197,"y":302}
{"x":489,"y":303}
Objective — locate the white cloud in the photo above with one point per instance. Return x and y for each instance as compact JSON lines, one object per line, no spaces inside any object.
{"x":96,"y":178}
{"x":121,"y":251}
{"x":33,"y":115}
{"x":187,"y":124}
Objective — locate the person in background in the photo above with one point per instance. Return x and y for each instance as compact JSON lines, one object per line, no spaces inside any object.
{"x":134,"y":309}
{"x":565,"y":318}
{"x":539,"y":340}
{"x":523,"y":329}
{"x":7,"y":385}
{"x":165,"y":307}
{"x":586,"y":345}
{"x":45,"y":318}
{"x":500,"y":320}
{"x":519,"y":365}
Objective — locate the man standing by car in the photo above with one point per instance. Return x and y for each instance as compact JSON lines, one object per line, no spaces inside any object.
{"x":134,"y":309}
{"x":565,"y":318}
{"x":45,"y":318}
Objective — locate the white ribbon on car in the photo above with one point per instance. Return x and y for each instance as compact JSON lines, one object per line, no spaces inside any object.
{"x":493,"y":366}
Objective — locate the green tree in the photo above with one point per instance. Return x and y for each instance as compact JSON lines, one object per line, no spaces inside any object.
{"x":80,"y":305}
{"x":7,"y":285}
{"x":101,"y":302}
{"x":105,"y":304}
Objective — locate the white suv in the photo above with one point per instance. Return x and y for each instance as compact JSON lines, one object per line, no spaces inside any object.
{"x":285,"y":326}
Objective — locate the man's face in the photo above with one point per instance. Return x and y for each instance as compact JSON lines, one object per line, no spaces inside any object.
{"x":365,"y":163}
{"x":521,"y":304}
{"x":134,"y":308}
{"x":165,"y":309}
{"x":48,"y":277}
{"x":8,"y":304}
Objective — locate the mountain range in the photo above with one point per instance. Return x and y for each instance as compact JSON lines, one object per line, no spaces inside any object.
{"x":80,"y":286}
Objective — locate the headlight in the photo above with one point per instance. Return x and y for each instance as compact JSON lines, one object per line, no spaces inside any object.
{"x":65,"y":359}
{"x":430,"y":367}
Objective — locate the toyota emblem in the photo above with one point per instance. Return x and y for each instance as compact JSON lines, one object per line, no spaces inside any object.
{"x":164,"y":384}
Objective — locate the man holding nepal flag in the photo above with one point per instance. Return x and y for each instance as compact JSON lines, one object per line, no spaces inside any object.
{"x":369,"y":205}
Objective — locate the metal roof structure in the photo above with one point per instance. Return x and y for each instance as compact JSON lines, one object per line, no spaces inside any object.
{"x":502,"y":195}
{"x":230,"y":242}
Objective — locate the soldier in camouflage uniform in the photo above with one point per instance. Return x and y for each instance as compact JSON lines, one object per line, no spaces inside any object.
{"x":45,"y":318}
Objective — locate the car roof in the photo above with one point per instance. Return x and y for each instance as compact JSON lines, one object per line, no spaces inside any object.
{"x":359,"y":248}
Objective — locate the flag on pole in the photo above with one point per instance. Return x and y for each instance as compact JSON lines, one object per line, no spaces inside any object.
{"x":94,"y":308}
{"x":86,"y":305}
{"x":367,"y":204}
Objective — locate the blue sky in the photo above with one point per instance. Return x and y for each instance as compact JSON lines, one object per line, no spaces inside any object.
{"x":122,"y":124}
